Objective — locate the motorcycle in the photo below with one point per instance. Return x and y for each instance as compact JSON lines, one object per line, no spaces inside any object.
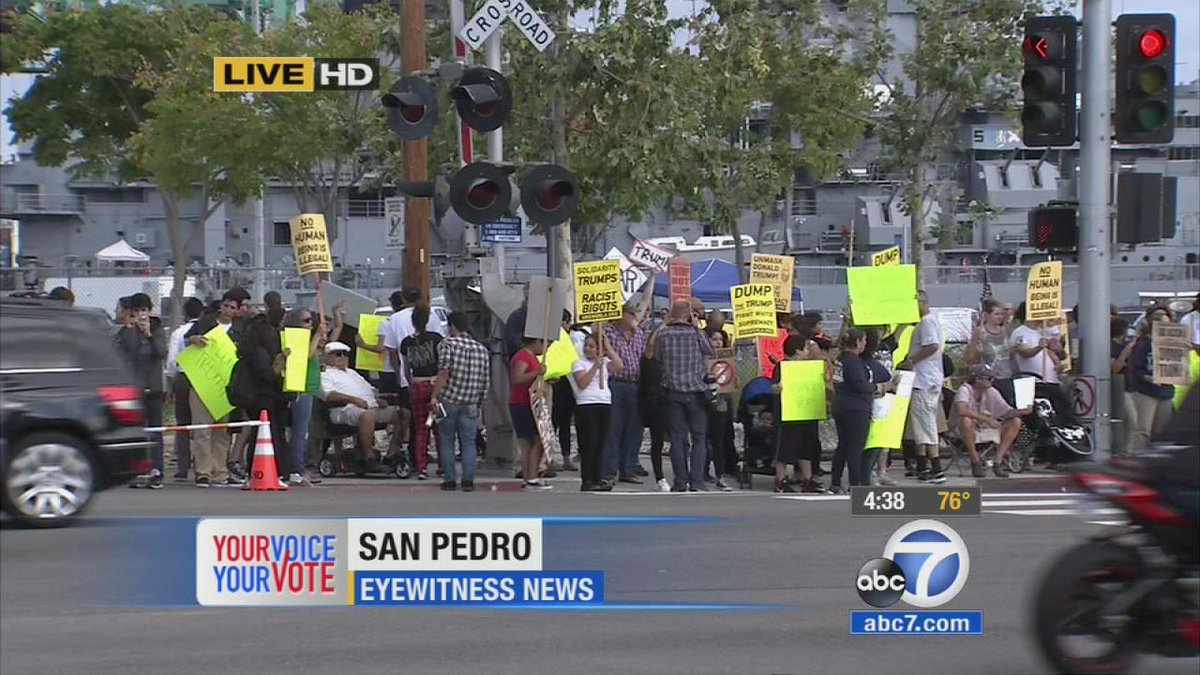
{"x":1134,"y":588}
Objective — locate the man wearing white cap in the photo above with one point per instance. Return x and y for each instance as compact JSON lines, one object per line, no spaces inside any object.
{"x":353,"y":402}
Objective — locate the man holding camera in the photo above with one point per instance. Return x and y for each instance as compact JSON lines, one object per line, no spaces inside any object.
{"x":143,"y":341}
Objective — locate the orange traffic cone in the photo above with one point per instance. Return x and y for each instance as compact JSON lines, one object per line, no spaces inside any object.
{"x":264,"y":475}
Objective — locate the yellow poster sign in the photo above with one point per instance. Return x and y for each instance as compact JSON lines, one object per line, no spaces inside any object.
{"x":368,"y":330}
{"x":883,"y":295}
{"x":888,"y":431}
{"x":777,"y":270}
{"x":209,"y":369}
{"x":754,"y":310}
{"x":1044,"y":294}
{"x":888,"y":256}
{"x":560,"y":357}
{"x":802,"y":390}
{"x":310,"y":243}
{"x":296,"y":341}
{"x":598,"y":295}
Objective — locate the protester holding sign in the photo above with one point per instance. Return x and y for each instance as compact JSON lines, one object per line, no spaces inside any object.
{"x":524,"y":370}
{"x":1037,"y":348}
{"x":721,"y":453}
{"x":1151,"y":402}
{"x":593,"y":399}
{"x":799,"y":442}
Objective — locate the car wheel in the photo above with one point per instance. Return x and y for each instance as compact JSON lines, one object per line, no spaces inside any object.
{"x":49,"y":480}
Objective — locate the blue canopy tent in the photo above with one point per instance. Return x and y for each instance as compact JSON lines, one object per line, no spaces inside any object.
{"x":711,"y":280}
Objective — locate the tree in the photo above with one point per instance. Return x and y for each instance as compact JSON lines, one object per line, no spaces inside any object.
{"x":126,"y":96}
{"x":966,"y":54}
{"x":325,"y":142}
{"x":779,"y":57}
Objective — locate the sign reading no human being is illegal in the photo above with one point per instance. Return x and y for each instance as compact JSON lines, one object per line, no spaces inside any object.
{"x":310,"y":243}
{"x":598,"y":295}
{"x":1043,"y":295}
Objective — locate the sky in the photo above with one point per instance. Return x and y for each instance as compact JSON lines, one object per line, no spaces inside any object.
{"x":1187,"y":50}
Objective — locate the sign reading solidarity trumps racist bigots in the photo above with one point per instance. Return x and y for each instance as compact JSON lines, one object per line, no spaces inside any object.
{"x":1043,"y":294}
{"x":777,"y":270}
{"x":598,"y":294}
{"x":753,"y":309}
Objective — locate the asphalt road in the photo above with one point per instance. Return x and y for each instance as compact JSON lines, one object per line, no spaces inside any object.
{"x":799,"y":554}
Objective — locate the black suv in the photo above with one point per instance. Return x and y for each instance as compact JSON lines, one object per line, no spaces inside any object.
{"x":71,"y":413}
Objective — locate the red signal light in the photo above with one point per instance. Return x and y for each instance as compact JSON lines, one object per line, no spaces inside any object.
{"x":1152,"y":43}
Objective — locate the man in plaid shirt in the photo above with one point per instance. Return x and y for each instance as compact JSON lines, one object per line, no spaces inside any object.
{"x":460,"y":387}
{"x":683,"y":352}
{"x":628,"y":338}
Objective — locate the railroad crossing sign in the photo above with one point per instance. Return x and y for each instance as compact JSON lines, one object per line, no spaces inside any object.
{"x":494,"y":13}
{"x":1083,"y":396}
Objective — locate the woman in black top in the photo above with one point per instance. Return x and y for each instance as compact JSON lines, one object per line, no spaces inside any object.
{"x":261,"y":387}
{"x":853,"y":399}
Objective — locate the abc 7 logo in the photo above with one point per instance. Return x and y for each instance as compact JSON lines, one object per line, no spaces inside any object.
{"x":925,"y":564}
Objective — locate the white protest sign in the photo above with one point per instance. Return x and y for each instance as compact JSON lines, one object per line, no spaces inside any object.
{"x":547,"y":300}
{"x":393,"y":213}
{"x":632,"y":278}
{"x":650,"y":255}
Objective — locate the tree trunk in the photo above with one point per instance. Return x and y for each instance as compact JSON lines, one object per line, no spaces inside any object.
{"x":179,"y":251}
{"x":916,"y":207}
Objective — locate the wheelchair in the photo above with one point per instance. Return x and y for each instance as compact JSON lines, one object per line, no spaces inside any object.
{"x":341,"y":455}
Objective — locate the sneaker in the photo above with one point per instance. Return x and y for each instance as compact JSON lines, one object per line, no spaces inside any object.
{"x":930,"y":477}
{"x":602,"y":486}
{"x":836,"y":490}
{"x":640,"y":472}
{"x":782,"y":486}
{"x":283,"y":483}
{"x":663,"y":485}
{"x":977,"y":470}
{"x":231,"y":481}
{"x":448,"y":486}
{"x":468,"y":486}
{"x":723,"y":486}
{"x":698,"y":488}
{"x":202,"y":482}
{"x":156,"y":482}
{"x":886,"y":480}
{"x":421,"y":475}
{"x":236,"y":472}
{"x":295,"y":479}
{"x":179,"y":477}
{"x":535,"y":486}
{"x":938,"y":473}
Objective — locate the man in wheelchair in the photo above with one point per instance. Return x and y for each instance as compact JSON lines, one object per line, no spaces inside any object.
{"x":983,"y":417}
{"x":354,"y":402}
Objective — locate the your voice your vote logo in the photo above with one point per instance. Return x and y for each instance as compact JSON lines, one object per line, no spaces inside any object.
{"x":925,"y":563}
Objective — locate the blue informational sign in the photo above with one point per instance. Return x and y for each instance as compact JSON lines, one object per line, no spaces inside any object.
{"x":506,"y":230}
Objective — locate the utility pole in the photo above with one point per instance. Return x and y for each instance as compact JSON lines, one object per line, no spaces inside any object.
{"x":415,"y":154}
{"x":1095,"y":235}
{"x":558,"y":237}
{"x":496,"y":138}
{"x":260,"y":225}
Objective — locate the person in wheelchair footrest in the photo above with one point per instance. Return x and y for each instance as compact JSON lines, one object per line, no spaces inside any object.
{"x":354,"y":402}
{"x":981,"y":415}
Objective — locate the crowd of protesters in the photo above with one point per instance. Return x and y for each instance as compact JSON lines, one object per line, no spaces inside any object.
{"x":638,"y":375}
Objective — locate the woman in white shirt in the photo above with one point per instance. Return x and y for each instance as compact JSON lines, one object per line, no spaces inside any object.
{"x":593,"y":401}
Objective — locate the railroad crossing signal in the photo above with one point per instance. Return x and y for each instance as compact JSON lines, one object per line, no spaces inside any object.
{"x":1050,"y":50}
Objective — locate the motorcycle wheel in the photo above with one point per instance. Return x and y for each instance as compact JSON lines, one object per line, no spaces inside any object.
{"x":1070,"y":599}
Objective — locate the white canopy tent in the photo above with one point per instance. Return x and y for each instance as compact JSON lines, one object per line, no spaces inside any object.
{"x":121,"y":252}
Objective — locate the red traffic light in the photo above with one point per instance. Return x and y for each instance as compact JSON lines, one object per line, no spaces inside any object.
{"x":1152,"y":43}
{"x":1036,"y":46}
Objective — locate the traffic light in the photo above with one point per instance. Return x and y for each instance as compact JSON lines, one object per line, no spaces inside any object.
{"x":1145,"y":85}
{"x":1145,"y":207}
{"x":483,"y":98}
{"x":1053,"y":228}
{"x":411,"y":108}
{"x":481,"y":192}
{"x":549,"y":195}
{"x":1050,"y":51}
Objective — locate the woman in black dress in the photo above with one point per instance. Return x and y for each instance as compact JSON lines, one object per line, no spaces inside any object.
{"x":797,"y":443}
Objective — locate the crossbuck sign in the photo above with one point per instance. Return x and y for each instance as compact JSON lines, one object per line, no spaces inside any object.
{"x":494,"y":13}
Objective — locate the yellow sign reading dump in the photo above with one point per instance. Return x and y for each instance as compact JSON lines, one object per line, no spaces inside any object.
{"x":888,"y":256}
{"x":754,"y":310}
{"x":598,"y":294}
{"x":1043,"y":294}
{"x":777,"y":270}
{"x":310,"y":243}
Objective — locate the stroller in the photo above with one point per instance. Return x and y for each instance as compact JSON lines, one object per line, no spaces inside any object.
{"x":1051,"y":433}
{"x":756,"y":412}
